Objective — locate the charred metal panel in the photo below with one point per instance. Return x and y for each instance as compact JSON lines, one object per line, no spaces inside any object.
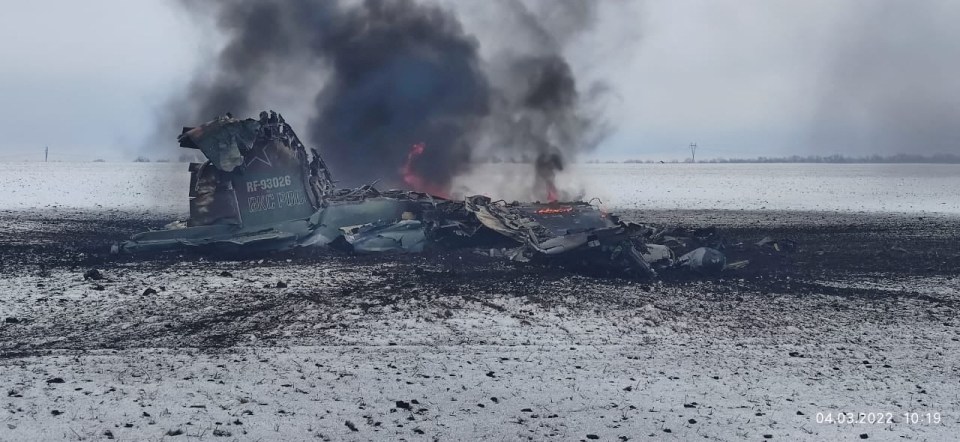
{"x":223,"y":141}
{"x":566,"y":230}
{"x":270,"y":187}
{"x":212,"y":199}
{"x":328,"y":221}
{"x":403,"y":236}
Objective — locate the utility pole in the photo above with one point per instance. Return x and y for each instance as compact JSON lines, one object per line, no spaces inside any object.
{"x":693,"y":152}
{"x":46,"y":153}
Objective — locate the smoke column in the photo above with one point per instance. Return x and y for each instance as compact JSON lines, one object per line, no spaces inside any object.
{"x":380,"y":76}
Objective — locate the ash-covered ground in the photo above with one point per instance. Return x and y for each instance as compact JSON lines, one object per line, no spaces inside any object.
{"x":860,"y":316}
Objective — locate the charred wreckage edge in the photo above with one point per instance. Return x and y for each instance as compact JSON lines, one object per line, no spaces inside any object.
{"x":260,"y":190}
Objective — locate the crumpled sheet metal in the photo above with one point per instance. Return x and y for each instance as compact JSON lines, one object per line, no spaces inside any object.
{"x":282,"y":236}
{"x":659,"y":255}
{"x":515,"y":224}
{"x":223,"y":141}
{"x":566,"y":243}
{"x":496,"y":223}
{"x":558,"y":230}
{"x":261,"y":190}
{"x":704,"y":260}
{"x":406,"y":236}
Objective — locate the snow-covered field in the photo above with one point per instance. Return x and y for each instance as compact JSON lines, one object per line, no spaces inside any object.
{"x":453,"y":347}
{"x":162,"y":187}
{"x":129,"y":187}
{"x":809,"y":187}
{"x":350,"y":351}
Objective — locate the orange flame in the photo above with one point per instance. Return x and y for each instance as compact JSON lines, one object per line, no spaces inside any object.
{"x":415,"y":181}
{"x":554,"y":210}
{"x":551,"y":192}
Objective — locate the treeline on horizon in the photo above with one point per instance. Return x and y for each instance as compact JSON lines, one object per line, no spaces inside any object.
{"x":940,"y":158}
{"x":901,"y":158}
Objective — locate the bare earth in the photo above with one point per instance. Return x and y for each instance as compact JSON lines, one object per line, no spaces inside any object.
{"x":861,"y":317}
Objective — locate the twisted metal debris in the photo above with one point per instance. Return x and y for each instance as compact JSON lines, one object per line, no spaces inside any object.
{"x":260,"y":190}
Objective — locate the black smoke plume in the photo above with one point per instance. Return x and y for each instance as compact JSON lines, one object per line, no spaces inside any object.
{"x":379,"y":76}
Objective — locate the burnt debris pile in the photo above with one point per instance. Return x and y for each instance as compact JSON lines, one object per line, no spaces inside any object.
{"x":260,"y":189}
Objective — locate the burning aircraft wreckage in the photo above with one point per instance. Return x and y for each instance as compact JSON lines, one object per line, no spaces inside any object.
{"x":260,"y":190}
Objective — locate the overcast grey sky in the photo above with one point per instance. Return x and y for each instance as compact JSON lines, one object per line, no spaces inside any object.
{"x":741,"y":78}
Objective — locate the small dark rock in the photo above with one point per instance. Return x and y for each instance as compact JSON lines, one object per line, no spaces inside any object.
{"x":692,"y":421}
{"x":11,"y":320}
{"x":176,"y":432}
{"x":864,"y":436}
{"x":628,"y":388}
{"x":226,"y":274}
{"x":690,"y":405}
{"x":526,"y":410}
{"x":93,"y":274}
{"x":799,"y":413}
{"x":667,"y":430}
{"x":351,"y":426}
{"x":403,"y":405}
{"x":55,"y":381}
{"x":108,"y":434}
{"x":490,"y":374}
{"x":220,"y":432}
{"x":145,"y":414}
{"x":149,"y":291}
{"x":418,"y":431}
{"x":495,"y":400}
{"x":593,"y":436}
{"x":768,"y":436}
{"x":56,"y":412}
{"x":795,"y":354}
{"x":281,"y":285}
